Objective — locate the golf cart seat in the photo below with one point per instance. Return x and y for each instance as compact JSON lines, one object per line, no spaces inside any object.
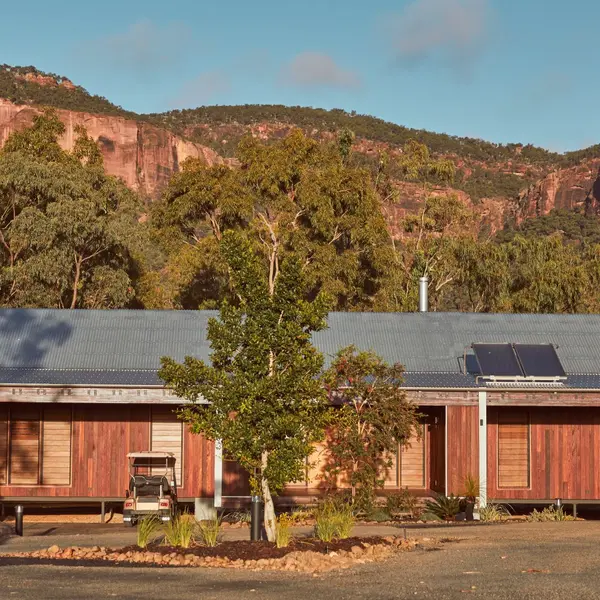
{"x":149,"y":486}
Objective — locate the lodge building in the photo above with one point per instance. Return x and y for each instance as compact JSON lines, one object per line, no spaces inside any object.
{"x":513,"y":400}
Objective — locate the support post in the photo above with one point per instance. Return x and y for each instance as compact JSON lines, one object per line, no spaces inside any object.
{"x":218,"y":475}
{"x":482,"y":449}
{"x":574,"y":510}
{"x":19,"y":519}
{"x":102,"y":512}
{"x":446,"y":490}
{"x":256,"y":510}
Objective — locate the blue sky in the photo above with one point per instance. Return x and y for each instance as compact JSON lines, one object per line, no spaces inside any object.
{"x":501,"y":70}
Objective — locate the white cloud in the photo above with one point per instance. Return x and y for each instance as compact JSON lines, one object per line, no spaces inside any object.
{"x":143,"y":47}
{"x":448,"y":30}
{"x":316,"y":69}
{"x":202,"y":89}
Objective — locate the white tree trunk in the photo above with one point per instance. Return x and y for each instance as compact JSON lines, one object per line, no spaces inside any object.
{"x":269,"y":518}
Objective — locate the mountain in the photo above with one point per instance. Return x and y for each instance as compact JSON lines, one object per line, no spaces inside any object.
{"x":503,"y":182}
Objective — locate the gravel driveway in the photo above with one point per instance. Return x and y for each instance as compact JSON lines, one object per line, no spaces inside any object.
{"x":550,"y":561}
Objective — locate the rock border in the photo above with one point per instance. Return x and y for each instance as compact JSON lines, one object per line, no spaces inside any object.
{"x":296,"y":561}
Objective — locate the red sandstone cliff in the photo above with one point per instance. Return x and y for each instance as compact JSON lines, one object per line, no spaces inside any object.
{"x":142,"y":155}
{"x":565,"y":188}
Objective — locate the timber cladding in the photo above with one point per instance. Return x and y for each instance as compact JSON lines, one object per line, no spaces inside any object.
{"x":94,"y":465}
{"x":563,"y":448}
{"x":462,"y":427}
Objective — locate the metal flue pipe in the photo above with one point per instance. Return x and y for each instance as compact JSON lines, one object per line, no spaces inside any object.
{"x":423,"y":294}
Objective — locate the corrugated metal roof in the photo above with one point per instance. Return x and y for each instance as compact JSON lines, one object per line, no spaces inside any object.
{"x":124,"y":347}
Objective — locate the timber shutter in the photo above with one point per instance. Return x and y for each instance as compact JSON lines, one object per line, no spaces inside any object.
{"x":412,"y":461}
{"x":167,"y":436}
{"x":3,"y":444}
{"x":56,"y":446}
{"x":24,"y":445}
{"x":513,"y":449}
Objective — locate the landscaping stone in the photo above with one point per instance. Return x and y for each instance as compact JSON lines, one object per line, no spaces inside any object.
{"x":303,"y":561}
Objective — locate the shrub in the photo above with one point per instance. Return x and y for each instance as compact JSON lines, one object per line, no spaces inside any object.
{"x":492,"y":513}
{"x":333,"y":521}
{"x":299,"y":515}
{"x":471,"y":488}
{"x":380,"y":515}
{"x":429,"y":516}
{"x":550,"y":513}
{"x":403,"y":501}
{"x":283,"y":530}
{"x":179,"y":532}
{"x":344,"y":522}
{"x":210,"y":532}
{"x":147,"y":529}
{"x":445,"y":507}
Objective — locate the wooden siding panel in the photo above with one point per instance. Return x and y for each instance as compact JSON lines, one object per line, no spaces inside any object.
{"x":167,"y":436}
{"x":56,"y":445}
{"x":463,"y":446}
{"x":24,"y":445}
{"x":413,"y":461}
{"x":3,"y":444}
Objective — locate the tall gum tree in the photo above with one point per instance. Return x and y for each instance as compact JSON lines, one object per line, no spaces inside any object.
{"x":266,"y":402}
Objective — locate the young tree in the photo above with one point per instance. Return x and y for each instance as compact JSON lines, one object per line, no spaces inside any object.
{"x":266,"y":401}
{"x":374,"y":418}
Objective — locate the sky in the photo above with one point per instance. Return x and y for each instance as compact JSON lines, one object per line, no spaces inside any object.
{"x":500,"y":70}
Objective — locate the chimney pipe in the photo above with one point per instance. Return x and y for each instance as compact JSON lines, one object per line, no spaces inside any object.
{"x":423,"y":289}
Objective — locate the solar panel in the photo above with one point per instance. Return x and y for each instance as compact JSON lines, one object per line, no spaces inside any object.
{"x":497,"y":360}
{"x":539,"y":360}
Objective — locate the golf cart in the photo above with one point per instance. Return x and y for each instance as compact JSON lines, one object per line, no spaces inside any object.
{"x":152,"y":487}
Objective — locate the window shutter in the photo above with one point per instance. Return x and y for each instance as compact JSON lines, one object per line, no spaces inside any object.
{"x":56,"y":445}
{"x":513,"y":449}
{"x":24,"y":445}
{"x":3,"y":444}
{"x":412,"y":461}
{"x":167,"y":436}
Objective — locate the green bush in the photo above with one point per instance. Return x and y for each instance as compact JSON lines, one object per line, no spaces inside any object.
{"x":333,"y":521}
{"x":445,"y":507}
{"x":380,"y":515}
{"x":283,"y":530}
{"x":550,"y":513}
{"x":147,"y":529}
{"x":210,"y":532}
{"x":492,"y":513}
{"x":179,"y":532}
{"x":403,"y":501}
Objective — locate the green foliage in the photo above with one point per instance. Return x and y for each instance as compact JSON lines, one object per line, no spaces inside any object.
{"x":379,"y":514}
{"x":373,"y":418}
{"x":403,"y":501}
{"x":493,"y":513}
{"x":333,"y":520}
{"x":66,"y":229}
{"x":471,"y":488}
{"x":444,"y":507}
{"x":550,"y":513}
{"x":267,"y":403}
{"x":283,"y":530}
{"x":210,"y":532}
{"x":147,"y":530}
{"x":55,"y":92}
{"x":179,"y":531}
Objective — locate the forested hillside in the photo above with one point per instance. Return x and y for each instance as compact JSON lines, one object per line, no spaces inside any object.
{"x":72,"y":236}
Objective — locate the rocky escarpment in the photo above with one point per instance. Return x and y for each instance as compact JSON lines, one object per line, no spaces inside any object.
{"x":143,"y":155}
{"x":575,"y":187}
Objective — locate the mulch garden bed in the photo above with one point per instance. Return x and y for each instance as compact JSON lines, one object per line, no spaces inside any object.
{"x":246,"y":550}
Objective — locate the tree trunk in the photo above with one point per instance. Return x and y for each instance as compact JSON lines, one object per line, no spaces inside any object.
{"x":269,"y":518}
{"x":78,"y":262}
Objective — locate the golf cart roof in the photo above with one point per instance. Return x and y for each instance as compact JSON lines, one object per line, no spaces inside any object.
{"x":151,"y":455}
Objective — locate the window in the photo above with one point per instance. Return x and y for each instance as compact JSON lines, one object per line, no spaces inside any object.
{"x":513,"y":449}
{"x":166,"y":435}
{"x":35,"y":445}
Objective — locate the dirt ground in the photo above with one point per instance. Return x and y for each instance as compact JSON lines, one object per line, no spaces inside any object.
{"x":549,"y":561}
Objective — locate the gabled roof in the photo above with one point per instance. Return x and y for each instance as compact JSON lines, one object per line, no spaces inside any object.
{"x":124,"y":347}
